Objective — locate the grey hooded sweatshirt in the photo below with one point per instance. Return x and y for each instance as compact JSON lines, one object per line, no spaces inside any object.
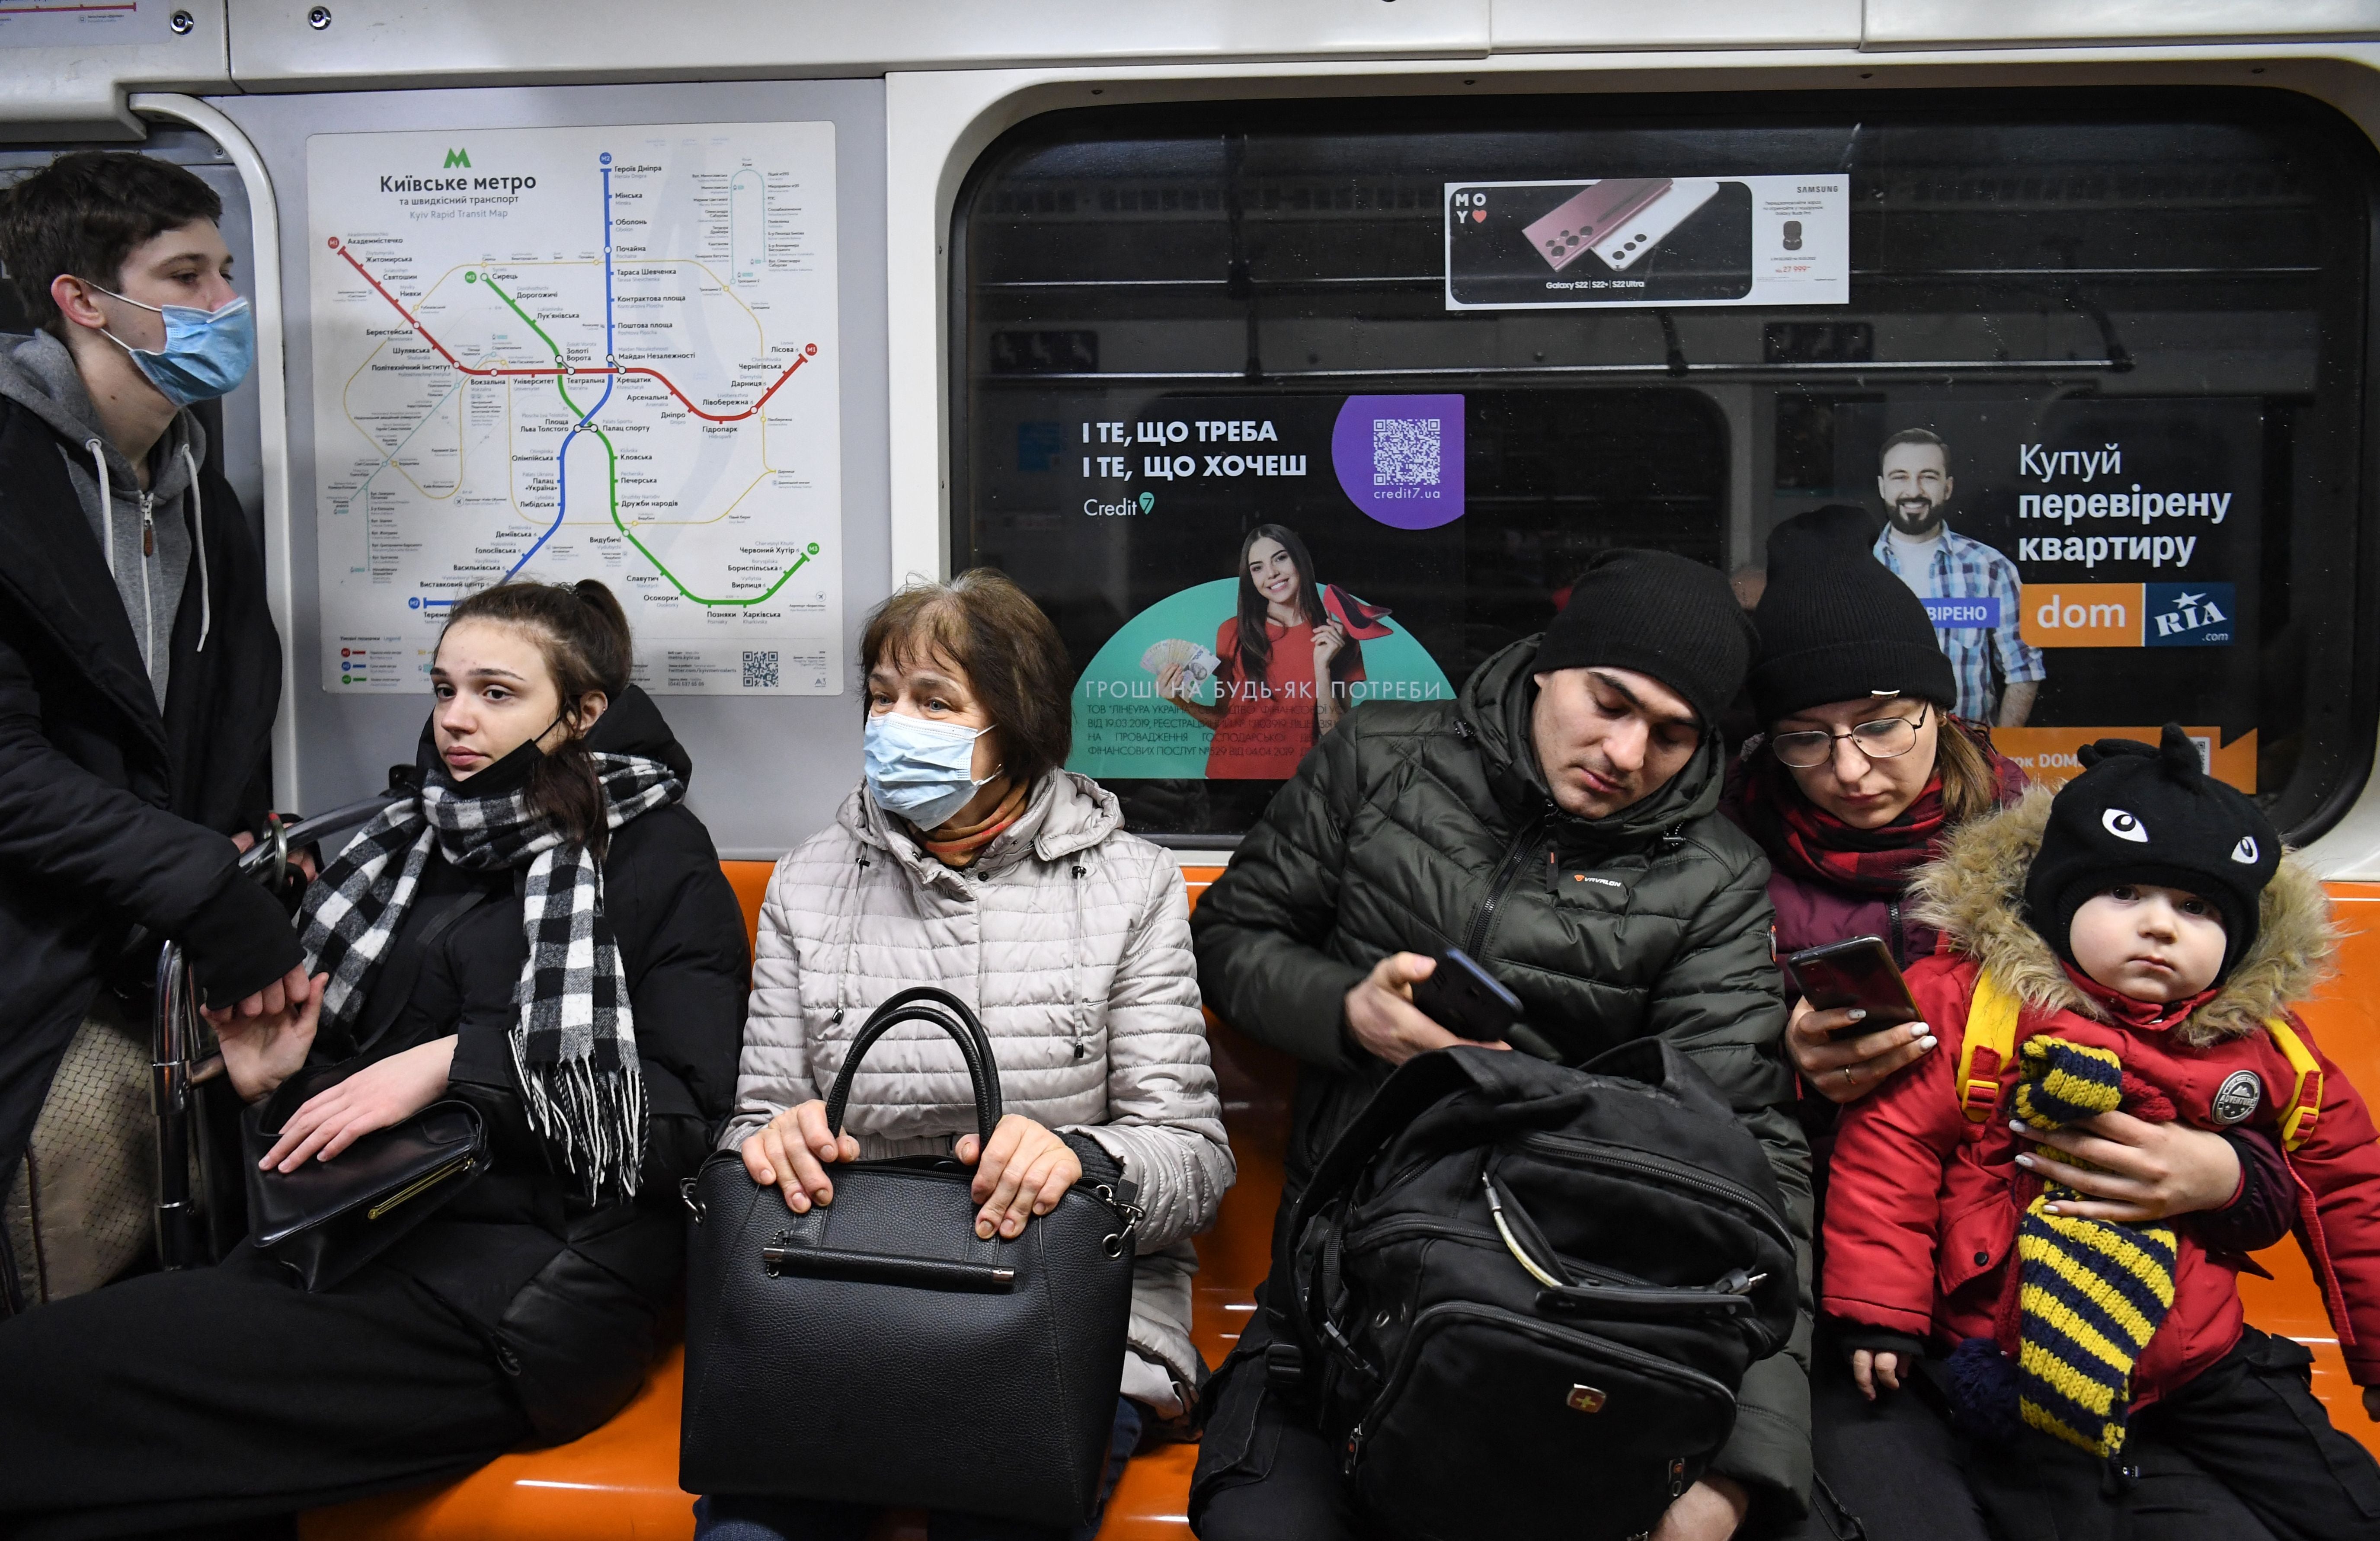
{"x":146,"y":533}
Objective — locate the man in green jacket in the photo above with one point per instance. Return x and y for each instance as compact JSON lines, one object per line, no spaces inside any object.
{"x":1558,"y":821}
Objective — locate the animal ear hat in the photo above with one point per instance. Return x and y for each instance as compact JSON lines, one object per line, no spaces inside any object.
{"x":2148,"y":813}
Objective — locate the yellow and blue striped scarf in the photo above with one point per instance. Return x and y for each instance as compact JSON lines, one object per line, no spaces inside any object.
{"x":2090,"y":1292}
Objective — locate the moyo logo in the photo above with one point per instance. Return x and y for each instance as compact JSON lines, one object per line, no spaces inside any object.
{"x":2128,"y":614}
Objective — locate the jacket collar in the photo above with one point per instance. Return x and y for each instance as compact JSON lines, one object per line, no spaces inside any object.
{"x":1067,"y":813}
{"x":1494,"y":709}
{"x":1974,"y":895}
{"x":58,"y":577}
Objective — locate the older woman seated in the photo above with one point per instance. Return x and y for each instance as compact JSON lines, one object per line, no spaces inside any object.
{"x":968,"y":858}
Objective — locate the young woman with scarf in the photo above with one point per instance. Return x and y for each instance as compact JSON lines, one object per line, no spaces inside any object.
{"x":542,"y":932}
{"x":1860,"y":777}
{"x":970,"y":858}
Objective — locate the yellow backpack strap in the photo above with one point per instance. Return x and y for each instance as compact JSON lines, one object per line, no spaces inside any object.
{"x":2304,"y":1105}
{"x":1989,"y":1039}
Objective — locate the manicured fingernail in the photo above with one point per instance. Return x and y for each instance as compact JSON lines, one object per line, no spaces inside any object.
{"x":2051,"y":1210}
{"x":2017,"y":1124}
{"x":1927,"y":1043}
{"x":1918,"y":1030}
{"x":1858,"y":1013}
{"x":2024,"y":1160}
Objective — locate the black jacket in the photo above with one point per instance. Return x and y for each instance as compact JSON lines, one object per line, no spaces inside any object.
{"x":1417,"y":827}
{"x":114,"y":815}
{"x":567,"y":1293}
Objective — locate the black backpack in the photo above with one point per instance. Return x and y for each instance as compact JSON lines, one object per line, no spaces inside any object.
{"x":1522,"y":1297}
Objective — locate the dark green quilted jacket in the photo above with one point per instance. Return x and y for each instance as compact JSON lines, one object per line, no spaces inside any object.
{"x":1414,"y":827}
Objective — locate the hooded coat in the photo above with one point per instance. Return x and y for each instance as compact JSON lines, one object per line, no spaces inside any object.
{"x":1418,"y":827}
{"x":1071,"y":939}
{"x":1922,"y":1218}
{"x":114,"y":809}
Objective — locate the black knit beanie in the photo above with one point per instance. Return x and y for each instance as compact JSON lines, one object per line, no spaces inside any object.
{"x":1657,"y":613}
{"x":1836,"y":625}
{"x":2148,"y":814}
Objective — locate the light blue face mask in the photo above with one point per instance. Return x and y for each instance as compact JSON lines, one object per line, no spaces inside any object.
{"x":206,"y":353}
{"x":921,"y":770}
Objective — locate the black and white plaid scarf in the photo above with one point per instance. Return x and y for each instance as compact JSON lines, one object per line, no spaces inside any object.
{"x":574,"y":1040}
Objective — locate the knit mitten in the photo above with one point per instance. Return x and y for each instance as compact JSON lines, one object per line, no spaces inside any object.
{"x":2091,"y":1293}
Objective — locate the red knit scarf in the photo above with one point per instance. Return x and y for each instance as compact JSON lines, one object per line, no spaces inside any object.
{"x":1807,"y":842}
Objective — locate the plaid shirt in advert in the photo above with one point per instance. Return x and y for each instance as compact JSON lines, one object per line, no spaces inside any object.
{"x":1966,"y":569}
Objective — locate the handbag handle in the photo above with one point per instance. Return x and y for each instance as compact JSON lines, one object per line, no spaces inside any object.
{"x":926,"y":1003}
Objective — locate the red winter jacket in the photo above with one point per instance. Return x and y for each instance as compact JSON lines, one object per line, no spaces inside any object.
{"x":1921,"y":1224}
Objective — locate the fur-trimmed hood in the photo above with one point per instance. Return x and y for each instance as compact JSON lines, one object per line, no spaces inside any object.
{"x":1975,"y":894}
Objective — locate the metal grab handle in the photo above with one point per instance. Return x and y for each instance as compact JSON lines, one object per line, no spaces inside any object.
{"x":170,"y":1079}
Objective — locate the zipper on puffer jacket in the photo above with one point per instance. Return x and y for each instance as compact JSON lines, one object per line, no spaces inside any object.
{"x":851,"y":911}
{"x":1524,"y":843}
{"x":1079,"y":1006}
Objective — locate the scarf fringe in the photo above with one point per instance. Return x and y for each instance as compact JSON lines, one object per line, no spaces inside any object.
{"x":594,"y":1118}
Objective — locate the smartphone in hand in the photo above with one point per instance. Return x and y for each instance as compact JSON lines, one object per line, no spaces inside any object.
{"x":1859,"y":972}
{"x":1465,"y":1000}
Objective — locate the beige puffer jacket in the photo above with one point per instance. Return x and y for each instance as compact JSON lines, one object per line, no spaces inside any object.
{"x":1071,"y":938}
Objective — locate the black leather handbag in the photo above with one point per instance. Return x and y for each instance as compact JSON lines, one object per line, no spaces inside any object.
{"x":874,"y":1350}
{"x":328,"y":1219}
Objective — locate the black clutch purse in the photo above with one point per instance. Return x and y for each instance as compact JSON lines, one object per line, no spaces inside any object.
{"x":328,"y":1219}
{"x":875,"y":1350}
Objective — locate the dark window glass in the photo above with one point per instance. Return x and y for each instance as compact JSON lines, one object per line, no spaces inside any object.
{"x":1199,"y":343}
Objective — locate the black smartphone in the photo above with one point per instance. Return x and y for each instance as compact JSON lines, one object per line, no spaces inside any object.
{"x":1465,"y":1000}
{"x":1855,"y":972}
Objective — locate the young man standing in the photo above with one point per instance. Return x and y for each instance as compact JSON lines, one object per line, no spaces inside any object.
{"x":1558,"y":822}
{"x":139,"y":673}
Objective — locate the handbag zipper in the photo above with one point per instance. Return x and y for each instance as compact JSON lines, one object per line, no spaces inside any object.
{"x":428,"y":1179}
{"x":1596,"y":1153}
{"x":1477,"y":937}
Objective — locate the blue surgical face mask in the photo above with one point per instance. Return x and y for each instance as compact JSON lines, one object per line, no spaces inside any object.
{"x":921,"y":770}
{"x":206,"y":353}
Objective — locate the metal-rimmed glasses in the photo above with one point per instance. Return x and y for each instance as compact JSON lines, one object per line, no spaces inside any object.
{"x":1885,"y":738}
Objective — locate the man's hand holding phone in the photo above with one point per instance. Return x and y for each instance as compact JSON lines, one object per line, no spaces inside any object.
{"x":1383,"y":1020}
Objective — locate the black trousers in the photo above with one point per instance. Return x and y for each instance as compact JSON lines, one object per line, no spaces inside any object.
{"x":225,"y":1397}
{"x":2245,"y":1452}
{"x":1888,"y":1470}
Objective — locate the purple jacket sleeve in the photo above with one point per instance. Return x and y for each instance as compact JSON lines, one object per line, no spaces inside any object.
{"x":2260,"y":1214}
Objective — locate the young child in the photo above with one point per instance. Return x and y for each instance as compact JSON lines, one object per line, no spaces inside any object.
{"x":2133,"y":944}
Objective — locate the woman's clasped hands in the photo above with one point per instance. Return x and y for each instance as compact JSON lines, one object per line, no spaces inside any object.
{"x":1024,"y":1172}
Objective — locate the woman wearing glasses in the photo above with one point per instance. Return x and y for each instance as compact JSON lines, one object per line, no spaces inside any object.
{"x":1860,"y":775}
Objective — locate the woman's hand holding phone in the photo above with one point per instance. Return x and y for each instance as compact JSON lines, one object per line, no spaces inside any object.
{"x":1844,"y":1069}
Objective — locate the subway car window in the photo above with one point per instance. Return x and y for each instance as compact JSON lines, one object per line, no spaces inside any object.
{"x":1279,"y":410}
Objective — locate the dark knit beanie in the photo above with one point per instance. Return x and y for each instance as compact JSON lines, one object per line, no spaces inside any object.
{"x":1836,"y":625}
{"x":1657,"y":613}
{"x":2144,"y":813}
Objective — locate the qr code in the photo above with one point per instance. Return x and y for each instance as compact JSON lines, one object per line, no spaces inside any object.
{"x":760,"y":670}
{"x":1405,"y":451}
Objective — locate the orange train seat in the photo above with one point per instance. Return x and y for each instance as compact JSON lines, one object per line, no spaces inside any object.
{"x":621,"y":1481}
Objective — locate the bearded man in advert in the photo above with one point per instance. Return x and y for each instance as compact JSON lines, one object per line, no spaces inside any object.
{"x":1937,"y":562}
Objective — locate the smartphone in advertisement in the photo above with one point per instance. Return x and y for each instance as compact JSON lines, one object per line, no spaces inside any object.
{"x":1583,"y":219}
{"x":1637,"y":236}
{"x":1465,"y":1000}
{"x":1855,"y":972}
